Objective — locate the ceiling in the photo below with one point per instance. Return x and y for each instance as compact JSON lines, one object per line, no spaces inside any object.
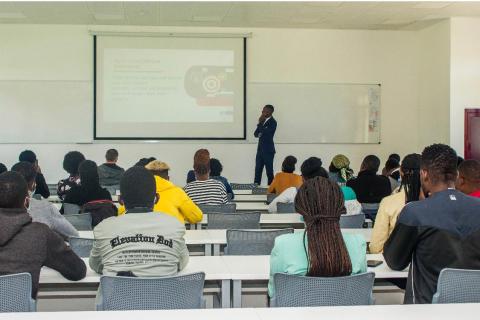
{"x":411,"y":15}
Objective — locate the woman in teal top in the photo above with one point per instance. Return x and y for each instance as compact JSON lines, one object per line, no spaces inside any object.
{"x":322,"y":250}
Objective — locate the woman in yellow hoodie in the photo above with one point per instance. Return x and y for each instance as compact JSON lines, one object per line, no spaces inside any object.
{"x":173,"y":200}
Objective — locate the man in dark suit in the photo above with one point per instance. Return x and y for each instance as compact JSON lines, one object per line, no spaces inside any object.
{"x":266,"y":148}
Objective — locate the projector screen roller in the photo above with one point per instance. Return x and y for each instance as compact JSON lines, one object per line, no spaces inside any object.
{"x":169,"y":88}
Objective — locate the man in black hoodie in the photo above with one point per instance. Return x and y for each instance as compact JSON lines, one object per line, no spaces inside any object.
{"x":442,"y":231}
{"x":27,"y":246}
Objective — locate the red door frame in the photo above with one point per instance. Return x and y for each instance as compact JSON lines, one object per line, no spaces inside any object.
{"x":469,"y":113}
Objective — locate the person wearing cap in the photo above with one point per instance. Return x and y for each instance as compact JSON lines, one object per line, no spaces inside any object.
{"x":391,"y":206}
{"x":173,"y":200}
{"x":339,"y":170}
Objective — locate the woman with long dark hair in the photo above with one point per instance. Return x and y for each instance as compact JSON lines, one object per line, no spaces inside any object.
{"x":391,"y":206}
{"x":321,"y":250}
{"x":89,"y":188}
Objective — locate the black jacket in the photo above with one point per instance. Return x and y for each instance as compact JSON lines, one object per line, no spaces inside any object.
{"x":27,"y":246}
{"x":370,"y":187}
{"x":440,"y":232}
{"x":265,"y":132}
{"x":81,"y":195}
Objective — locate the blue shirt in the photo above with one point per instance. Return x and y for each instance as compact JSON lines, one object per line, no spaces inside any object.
{"x":289,"y":256}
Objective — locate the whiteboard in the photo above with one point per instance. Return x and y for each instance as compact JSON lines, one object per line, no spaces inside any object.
{"x":35,"y":111}
{"x":318,"y":112}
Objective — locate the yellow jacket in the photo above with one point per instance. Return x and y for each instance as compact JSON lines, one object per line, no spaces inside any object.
{"x":175,"y":202}
{"x":390,"y":208}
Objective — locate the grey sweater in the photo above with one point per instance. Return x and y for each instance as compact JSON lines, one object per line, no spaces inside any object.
{"x":45,"y":212}
{"x":146,"y":244}
{"x":27,"y":246}
{"x":110,"y":174}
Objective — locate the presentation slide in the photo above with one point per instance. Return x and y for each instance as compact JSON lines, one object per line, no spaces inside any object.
{"x":167,"y":88}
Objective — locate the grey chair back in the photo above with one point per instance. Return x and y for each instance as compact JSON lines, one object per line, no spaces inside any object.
{"x":218,"y":208}
{"x":271,"y":197}
{"x":458,"y":286}
{"x":259,"y":190}
{"x":16,"y":293}
{"x":243,"y":186}
{"x":302,"y":291}
{"x":244,"y":220}
{"x":70,"y":208}
{"x":354,"y":221}
{"x":81,"y":246}
{"x":252,"y":242}
{"x":370,"y":210}
{"x":132,"y":293}
{"x":81,"y":222}
{"x":283,"y":207}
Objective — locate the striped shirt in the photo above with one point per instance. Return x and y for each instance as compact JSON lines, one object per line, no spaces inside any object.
{"x":206,"y":192}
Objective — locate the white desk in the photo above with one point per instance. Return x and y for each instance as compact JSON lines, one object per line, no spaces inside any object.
{"x":214,"y":268}
{"x":252,"y":206}
{"x":217,"y":238}
{"x":242,"y":192}
{"x":250,"y":198}
{"x":225,"y":269}
{"x":257,"y":268}
{"x":391,"y":312}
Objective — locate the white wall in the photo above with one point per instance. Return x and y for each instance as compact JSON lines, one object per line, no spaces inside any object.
{"x":434,"y":84}
{"x":464,"y":75}
{"x":43,"y":52}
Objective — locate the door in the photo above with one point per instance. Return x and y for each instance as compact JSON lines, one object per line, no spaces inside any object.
{"x":472,"y":134}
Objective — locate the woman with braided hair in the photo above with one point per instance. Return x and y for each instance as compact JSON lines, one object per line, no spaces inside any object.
{"x":391,"y":206}
{"x":321,"y":250}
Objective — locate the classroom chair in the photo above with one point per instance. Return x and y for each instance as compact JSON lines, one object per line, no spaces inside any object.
{"x":303,"y":291}
{"x":458,"y":286}
{"x":70,"y":208}
{"x":81,"y":221}
{"x":370,"y":210}
{"x":81,"y":246}
{"x":271,"y":197}
{"x":354,"y":221}
{"x":218,"y":208}
{"x":243,"y":186}
{"x":244,"y":220}
{"x":252,"y":242}
{"x":16,"y":293}
{"x":283,"y":207}
{"x":259,"y":190}
{"x":159,"y":293}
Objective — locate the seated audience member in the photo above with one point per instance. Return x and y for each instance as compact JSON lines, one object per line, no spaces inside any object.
{"x":42,"y":210}
{"x":205,"y":190}
{"x":368,"y":186}
{"x":442,"y":231}
{"x":173,"y":200}
{"x":27,"y":246}
{"x":312,"y":168}
{"x":122,"y":243}
{"x":391,"y":206}
{"x":110,"y":173}
{"x":3,"y":168}
{"x":71,"y":161}
{"x":144,"y":161}
{"x":41,"y":184}
{"x":286,"y":179}
{"x":190,"y":176}
{"x":216,"y":169}
{"x":468,"y":180}
{"x":89,"y":188}
{"x":392,"y":172}
{"x":395,"y":156}
{"x":339,"y":170}
{"x":321,"y":250}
